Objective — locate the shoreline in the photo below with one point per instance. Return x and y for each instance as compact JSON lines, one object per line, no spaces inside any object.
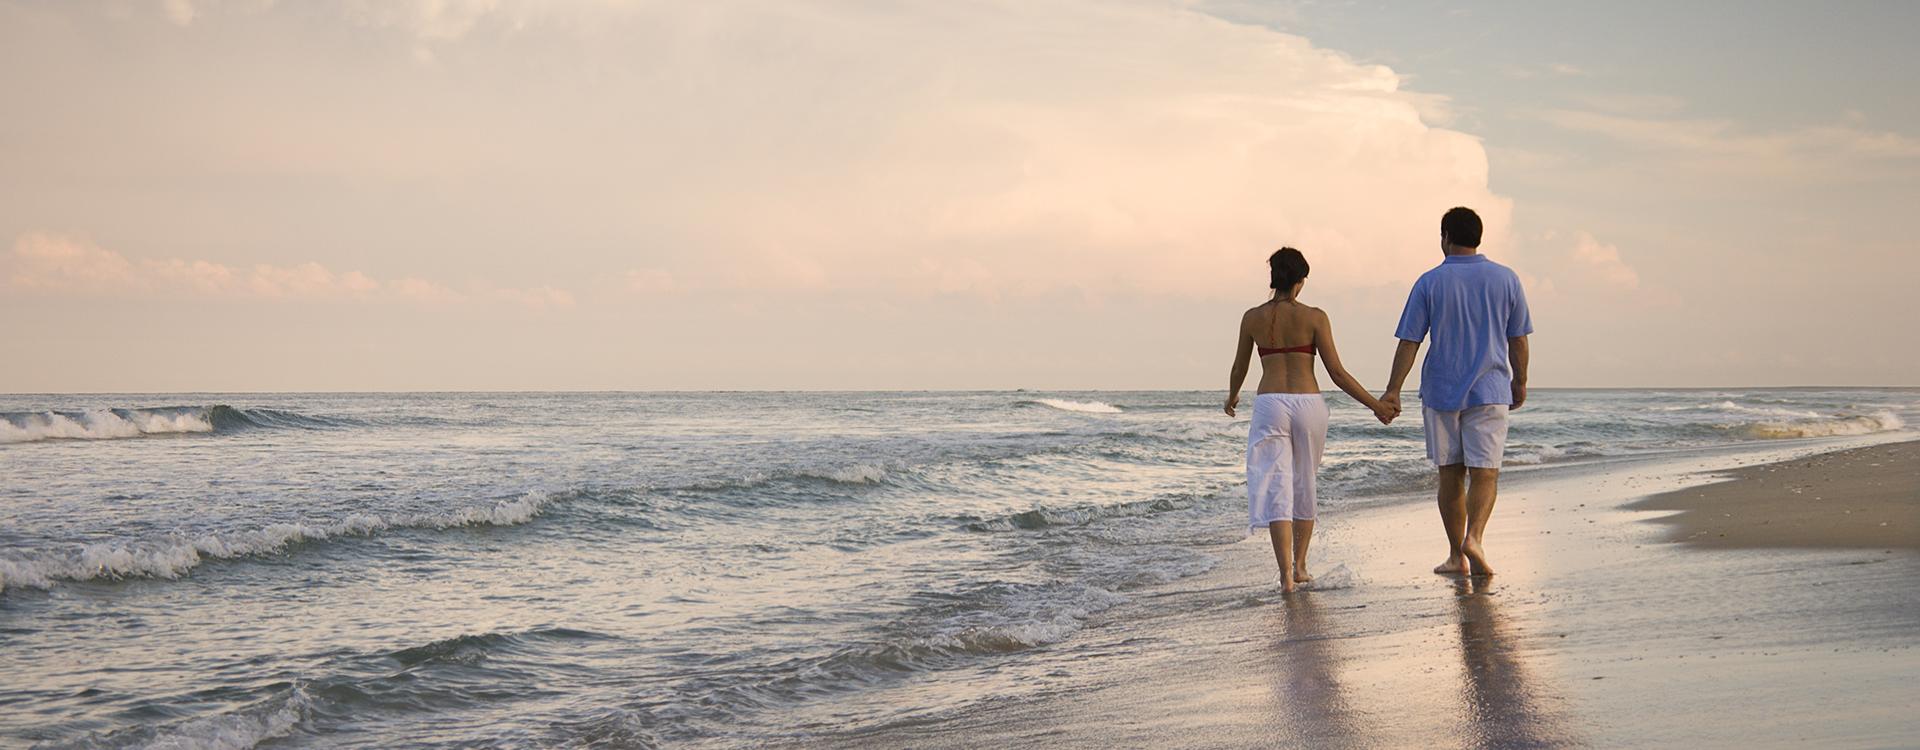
{"x":1741,"y":647}
{"x":1856,"y":498}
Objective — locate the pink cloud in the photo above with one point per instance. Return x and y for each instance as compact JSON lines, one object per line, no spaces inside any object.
{"x":55,"y":264}
{"x":1603,"y":262}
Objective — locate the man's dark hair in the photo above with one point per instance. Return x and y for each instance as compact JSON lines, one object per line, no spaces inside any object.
{"x":1287,"y":267}
{"x":1461,"y":226}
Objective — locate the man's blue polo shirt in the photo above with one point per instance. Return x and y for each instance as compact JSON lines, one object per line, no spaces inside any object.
{"x":1471,"y":305}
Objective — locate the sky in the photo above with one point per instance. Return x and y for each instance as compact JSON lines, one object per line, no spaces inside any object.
{"x":1050,"y":194}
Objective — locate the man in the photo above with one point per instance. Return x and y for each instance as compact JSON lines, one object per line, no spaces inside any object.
{"x":1475,"y":372}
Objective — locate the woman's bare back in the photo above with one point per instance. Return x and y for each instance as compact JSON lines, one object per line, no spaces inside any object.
{"x":1283,"y":324}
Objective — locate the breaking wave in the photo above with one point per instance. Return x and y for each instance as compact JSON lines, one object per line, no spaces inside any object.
{"x":174,"y":555}
{"x":1084,"y":407}
{"x":1819,"y":426}
{"x":1530,"y":453}
{"x":478,"y":646}
{"x":856,"y":473}
{"x":108,"y":424}
{"x":236,"y":730}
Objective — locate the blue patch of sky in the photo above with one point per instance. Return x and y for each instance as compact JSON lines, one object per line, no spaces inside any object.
{"x":1767,"y":65}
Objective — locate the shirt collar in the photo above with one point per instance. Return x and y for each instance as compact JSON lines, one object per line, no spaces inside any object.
{"x":1474,"y":258}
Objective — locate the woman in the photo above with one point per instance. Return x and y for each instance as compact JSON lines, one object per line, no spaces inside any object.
{"x":1289,"y":427}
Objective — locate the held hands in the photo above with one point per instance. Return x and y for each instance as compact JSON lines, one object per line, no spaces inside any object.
{"x":1385,"y":411}
{"x":1387,"y":408}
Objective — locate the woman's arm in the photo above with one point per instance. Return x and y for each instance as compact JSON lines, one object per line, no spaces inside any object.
{"x":1242,"y":357}
{"x":1330,"y":357}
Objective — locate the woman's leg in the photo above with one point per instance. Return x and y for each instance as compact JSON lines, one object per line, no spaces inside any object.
{"x":1282,"y":534}
{"x":1270,"y":481}
{"x":1302,"y":536}
{"x":1309,"y":444}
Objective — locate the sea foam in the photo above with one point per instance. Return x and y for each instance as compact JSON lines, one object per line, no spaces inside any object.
{"x":174,"y":555}
{"x":239,"y":730}
{"x":101,"y":424}
{"x":1885,"y":421}
{"x":1084,"y":407}
{"x":110,"y":424}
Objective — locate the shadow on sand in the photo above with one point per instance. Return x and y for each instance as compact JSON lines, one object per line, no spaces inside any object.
{"x":1505,"y":706}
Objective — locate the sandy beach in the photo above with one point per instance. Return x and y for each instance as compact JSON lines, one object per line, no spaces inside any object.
{"x":1597,"y":631}
{"x":1865,"y":498}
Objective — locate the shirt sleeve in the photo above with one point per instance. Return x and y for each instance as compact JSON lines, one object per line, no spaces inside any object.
{"x":1414,"y":319}
{"x":1519,"y":319}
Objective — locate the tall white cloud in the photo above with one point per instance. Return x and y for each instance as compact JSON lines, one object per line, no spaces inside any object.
{"x":999,"y":148}
{"x":864,"y":163}
{"x":1027,"y":147}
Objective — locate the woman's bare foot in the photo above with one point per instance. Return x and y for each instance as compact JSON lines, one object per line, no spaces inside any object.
{"x":1476,"y":557}
{"x":1454,"y":566}
{"x":1286,"y":587}
{"x":1300,"y":574}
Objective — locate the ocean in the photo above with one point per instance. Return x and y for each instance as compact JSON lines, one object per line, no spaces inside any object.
{"x":657,"y":569}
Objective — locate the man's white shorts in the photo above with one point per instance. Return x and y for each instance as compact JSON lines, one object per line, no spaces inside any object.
{"x":1475,"y":436}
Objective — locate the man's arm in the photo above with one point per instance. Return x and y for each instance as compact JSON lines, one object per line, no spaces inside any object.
{"x":1411,"y":331}
{"x":1403,"y":357}
{"x":1517,"y":356}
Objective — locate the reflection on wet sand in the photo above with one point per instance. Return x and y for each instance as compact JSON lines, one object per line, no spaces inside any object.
{"x":1354,"y":676}
{"x":1504,"y":706}
{"x":1309,"y":700}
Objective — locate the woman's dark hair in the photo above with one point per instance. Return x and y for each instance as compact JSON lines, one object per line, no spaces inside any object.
{"x":1461,"y":226}
{"x":1288,"y":267}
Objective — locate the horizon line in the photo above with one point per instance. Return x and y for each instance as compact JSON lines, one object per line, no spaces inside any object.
{"x":586,"y":391}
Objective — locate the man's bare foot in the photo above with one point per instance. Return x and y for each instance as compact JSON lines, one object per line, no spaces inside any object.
{"x":1454,"y":566}
{"x":1476,"y":557}
{"x":1300,"y":575}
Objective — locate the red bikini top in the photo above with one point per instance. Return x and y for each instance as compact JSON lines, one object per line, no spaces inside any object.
{"x":1301,"y":349}
{"x":1306,"y":349}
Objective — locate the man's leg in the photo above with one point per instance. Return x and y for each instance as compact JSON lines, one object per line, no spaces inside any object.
{"x":1453,"y":516}
{"x":1480,"y":497}
{"x":1483,"y":431}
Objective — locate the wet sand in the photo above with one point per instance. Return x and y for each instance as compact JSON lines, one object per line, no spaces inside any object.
{"x":1865,"y":498}
{"x":1596,"y":632}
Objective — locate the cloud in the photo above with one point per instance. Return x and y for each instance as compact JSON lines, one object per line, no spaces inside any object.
{"x":54,"y":264}
{"x":180,"y":12}
{"x":648,"y":281}
{"x":1645,"y":105}
{"x":1022,"y":148}
{"x":46,"y":262}
{"x":827,"y":148}
{"x":1602,"y":261}
{"x":1528,"y":72}
{"x":450,"y":20}
{"x":1841,"y":150}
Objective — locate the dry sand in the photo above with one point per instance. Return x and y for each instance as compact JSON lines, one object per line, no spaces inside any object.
{"x":1595,"y":633}
{"x":1865,"y":498}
